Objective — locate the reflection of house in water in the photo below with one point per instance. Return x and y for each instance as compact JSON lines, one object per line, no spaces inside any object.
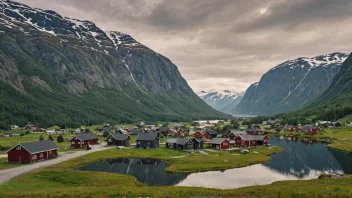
{"x":299,"y":159}
{"x":308,"y":141}
{"x":147,"y":171}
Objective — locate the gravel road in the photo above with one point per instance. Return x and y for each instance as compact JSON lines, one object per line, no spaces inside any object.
{"x":6,"y":175}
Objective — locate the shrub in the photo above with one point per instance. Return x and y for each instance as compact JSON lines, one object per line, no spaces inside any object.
{"x":60,"y":139}
{"x":50,"y":138}
{"x":41,"y":138}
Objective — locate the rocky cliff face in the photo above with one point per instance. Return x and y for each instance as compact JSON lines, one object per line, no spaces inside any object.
{"x":223,"y":101}
{"x":291,"y":85}
{"x":76,"y":72}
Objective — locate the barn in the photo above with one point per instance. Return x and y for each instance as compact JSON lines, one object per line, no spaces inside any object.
{"x":219,"y":143}
{"x":147,"y":140}
{"x":118,"y":140}
{"x":32,"y":152}
{"x":83,"y":140}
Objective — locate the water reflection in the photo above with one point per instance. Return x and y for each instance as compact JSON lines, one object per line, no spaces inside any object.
{"x":299,"y":161}
{"x":148,"y":171}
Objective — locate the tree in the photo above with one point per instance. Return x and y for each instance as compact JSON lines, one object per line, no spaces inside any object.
{"x":60,"y":139}
{"x":41,"y":138}
{"x":86,"y":130}
{"x":166,"y":124}
{"x":50,"y":138}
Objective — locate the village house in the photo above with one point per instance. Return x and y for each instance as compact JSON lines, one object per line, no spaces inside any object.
{"x":14,"y":127}
{"x":181,"y":133}
{"x":290,"y":128}
{"x":164,"y":130}
{"x":233,"y":134}
{"x":254,"y":131}
{"x":51,"y":132}
{"x":117,"y":139}
{"x":308,"y":129}
{"x":32,"y":152}
{"x":219,"y":144}
{"x":155,"y":132}
{"x":210,"y":134}
{"x":171,"y":132}
{"x":198,"y":134}
{"x":184,"y":144}
{"x":136,"y":131}
{"x":184,"y":129}
{"x":83,"y":140}
{"x":198,"y":143}
{"x":251,"y":140}
{"x":147,"y":140}
{"x":171,"y":143}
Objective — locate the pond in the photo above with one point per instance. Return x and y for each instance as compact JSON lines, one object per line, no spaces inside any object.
{"x":298,"y":161}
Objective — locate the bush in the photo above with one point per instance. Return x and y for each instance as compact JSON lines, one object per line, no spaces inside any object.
{"x":41,"y":138}
{"x":60,"y":139}
{"x":50,"y":138}
{"x":27,"y":132}
{"x":22,"y":134}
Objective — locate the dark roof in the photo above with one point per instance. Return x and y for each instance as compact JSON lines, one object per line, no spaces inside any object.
{"x":305,"y":127}
{"x":182,"y":141}
{"x":39,"y":146}
{"x":171,"y":140}
{"x":254,"y":129}
{"x":198,"y":139}
{"x":252,"y":137}
{"x":118,"y":136}
{"x":164,"y":129}
{"x":217,"y":140}
{"x":289,"y":126}
{"x":146,"y":136}
{"x":136,"y":131}
{"x":212,"y":132}
{"x":86,"y":136}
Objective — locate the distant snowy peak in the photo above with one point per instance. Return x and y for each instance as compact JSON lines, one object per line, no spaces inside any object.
{"x":219,"y":95}
{"x":121,"y":39}
{"x":318,"y":61}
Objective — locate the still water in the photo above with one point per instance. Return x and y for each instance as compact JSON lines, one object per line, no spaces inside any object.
{"x":298,"y":161}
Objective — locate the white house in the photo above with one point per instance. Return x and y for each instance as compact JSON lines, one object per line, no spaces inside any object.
{"x":14,"y":127}
{"x":51,"y":131}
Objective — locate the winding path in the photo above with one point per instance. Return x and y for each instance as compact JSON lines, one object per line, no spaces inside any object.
{"x":6,"y":175}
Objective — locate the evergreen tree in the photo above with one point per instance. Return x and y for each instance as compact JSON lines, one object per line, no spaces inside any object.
{"x":41,"y":138}
{"x":60,"y":139}
{"x":50,"y":138}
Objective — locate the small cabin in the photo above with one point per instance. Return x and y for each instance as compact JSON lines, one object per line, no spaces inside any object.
{"x":233,"y":134}
{"x":164,"y":131}
{"x":198,"y":143}
{"x":118,"y":140}
{"x":147,"y":140}
{"x":251,"y":140}
{"x":219,"y":144}
{"x":171,"y":143}
{"x":254,"y":131}
{"x":83,"y":140}
{"x":30,"y":152}
{"x":184,"y":144}
{"x":198,"y":134}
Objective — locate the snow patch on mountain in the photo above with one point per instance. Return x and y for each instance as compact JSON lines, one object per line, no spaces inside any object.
{"x":221,"y":100}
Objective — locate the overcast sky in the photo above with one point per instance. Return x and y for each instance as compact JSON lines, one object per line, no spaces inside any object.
{"x":221,"y":44}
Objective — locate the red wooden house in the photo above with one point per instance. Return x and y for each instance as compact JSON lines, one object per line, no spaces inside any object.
{"x":251,"y":140}
{"x":254,"y":131}
{"x":198,"y":134}
{"x":219,"y":144}
{"x":171,"y":132}
{"x":310,"y":129}
{"x":233,"y":134}
{"x":181,"y":133}
{"x":206,"y":135}
{"x":83,"y":140}
{"x":32,"y":152}
{"x":290,"y":128}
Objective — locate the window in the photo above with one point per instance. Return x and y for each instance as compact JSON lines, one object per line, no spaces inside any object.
{"x":50,"y":152}
{"x":18,"y":148}
{"x":41,"y":155}
{"x":72,"y":142}
{"x":34,"y":157}
{"x":110,"y":140}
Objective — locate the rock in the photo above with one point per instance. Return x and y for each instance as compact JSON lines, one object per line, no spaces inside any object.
{"x":244,"y":151}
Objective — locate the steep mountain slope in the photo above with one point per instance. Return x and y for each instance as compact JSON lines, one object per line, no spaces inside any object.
{"x":57,"y":70}
{"x":340,"y":90}
{"x":290,"y":85}
{"x":223,"y":101}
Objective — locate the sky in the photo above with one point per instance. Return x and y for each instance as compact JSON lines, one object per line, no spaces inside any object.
{"x":221,"y":44}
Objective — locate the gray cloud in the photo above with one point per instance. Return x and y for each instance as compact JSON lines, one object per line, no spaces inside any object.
{"x":221,"y":44}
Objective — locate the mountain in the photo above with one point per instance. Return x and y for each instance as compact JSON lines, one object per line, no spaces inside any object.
{"x":222,"y":101}
{"x":290,"y":85}
{"x":58,"y":70}
{"x":340,"y":91}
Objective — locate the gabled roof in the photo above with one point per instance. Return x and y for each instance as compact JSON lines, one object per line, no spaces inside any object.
{"x":212,"y":132}
{"x":85,"y":136}
{"x":146,"y":137}
{"x":171,"y":140}
{"x":217,"y":140}
{"x":238,"y":132}
{"x":38,"y":146}
{"x":182,"y":141}
{"x":136,"y":131}
{"x":252,"y":137}
{"x":289,"y":126}
{"x":118,"y":136}
{"x":198,"y":139}
{"x":164,"y":129}
{"x":254,"y":129}
{"x":305,"y":127}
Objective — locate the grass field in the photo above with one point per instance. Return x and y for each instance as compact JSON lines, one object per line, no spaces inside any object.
{"x":4,"y":165}
{"x":63,"y":180}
